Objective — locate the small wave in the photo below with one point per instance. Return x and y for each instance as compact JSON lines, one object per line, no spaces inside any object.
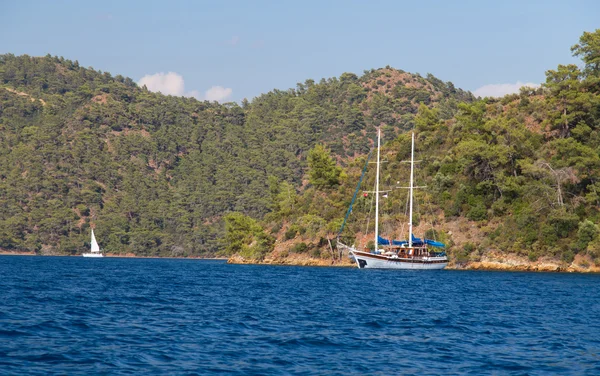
{"x":46,"y":358}
{"x":13,"y":333}
{"x":374,"y":324}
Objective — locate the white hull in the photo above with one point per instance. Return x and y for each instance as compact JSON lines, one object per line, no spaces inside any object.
{"x":367,"y":261}
{"x":92,"y":255}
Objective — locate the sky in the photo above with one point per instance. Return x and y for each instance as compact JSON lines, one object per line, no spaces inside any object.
{"x":231,"y":50}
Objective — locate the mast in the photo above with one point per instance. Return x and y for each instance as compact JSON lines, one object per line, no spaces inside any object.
{"x":377,"y":189}
{"x":412,"y":163}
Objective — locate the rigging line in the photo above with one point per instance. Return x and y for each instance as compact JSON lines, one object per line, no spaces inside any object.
{"x":355,"y":192}
{"x":370,"y":209}
{"x":405,"y":214}
{"x":429,"y":210}
{"x":433,"y":218}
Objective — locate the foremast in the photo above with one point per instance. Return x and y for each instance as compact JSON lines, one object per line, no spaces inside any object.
{"x":410,"y":216}
{"x":377,"y":190}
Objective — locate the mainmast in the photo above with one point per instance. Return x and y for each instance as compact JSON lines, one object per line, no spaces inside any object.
{"x":412,"y":162}
{"x":377,"y":190}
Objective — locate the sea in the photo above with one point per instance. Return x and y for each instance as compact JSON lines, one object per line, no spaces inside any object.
{"x":120,"y":316}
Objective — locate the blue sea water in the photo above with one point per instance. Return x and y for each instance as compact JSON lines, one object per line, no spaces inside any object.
{"x":67,"y":315}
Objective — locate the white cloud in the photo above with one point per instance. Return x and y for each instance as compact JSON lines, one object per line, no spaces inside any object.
{"x":168,"y":84}
{"x":217,"y":93}
{"x":500,"y":90}
{"x":173,"y":84}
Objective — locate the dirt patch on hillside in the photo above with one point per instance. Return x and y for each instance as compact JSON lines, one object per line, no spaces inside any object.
{"x":101,"y":98}
{"x":392,"y":78}
{"x":25,"y":95}
{"x":128,"y":131}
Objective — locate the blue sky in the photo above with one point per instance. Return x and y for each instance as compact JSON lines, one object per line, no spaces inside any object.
{"x":230,"y":50}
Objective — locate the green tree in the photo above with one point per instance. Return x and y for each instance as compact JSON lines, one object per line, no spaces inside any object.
{"x":244,"y":236}
{"x":587,"y":232}
{"x":322,"y":169}
{"x":569,"y":103}
{"x":589,"y":50}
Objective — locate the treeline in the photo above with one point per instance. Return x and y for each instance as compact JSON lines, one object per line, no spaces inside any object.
{"x":155,"y":174}
{"x":518,"y":174}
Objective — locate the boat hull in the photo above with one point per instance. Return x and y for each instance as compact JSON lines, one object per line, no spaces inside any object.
{"x":92,"y":255}
{"x":371,"y":261}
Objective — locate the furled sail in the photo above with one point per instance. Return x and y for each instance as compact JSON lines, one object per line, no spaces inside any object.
{"x":415,"y":241}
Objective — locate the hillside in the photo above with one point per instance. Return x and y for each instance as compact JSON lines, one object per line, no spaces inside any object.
{"x":155,"y":174}
{"x":509,"y":180}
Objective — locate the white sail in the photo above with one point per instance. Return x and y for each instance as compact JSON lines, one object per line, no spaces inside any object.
{"x":95,"y":247}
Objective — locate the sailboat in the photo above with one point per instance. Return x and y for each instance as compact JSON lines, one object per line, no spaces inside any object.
{"x":95,"y":249}
{"x":414,"y":253}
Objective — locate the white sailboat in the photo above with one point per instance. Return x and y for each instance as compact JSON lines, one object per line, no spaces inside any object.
{"x":414,"y":253}
{"x":95,"y":248}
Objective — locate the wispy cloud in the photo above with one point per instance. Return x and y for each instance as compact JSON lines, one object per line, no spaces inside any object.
{"x":500,"y":90}
{"x":234,"y":40}
{"x":217,"y":93}
{"x":258,"y":44}
{"x":105,"y":17}
{"x":172,"y":83}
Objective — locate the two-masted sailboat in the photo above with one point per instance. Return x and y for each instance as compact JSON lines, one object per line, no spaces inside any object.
{"x":414,"y":253}
{"x":95,"y":248}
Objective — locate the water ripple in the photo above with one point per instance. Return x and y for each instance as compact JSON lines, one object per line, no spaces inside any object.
{"x":187,"y":317}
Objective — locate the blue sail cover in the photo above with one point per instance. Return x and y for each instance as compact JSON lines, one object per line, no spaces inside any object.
{"x":382,"y":241}
{"x":416,"y":242}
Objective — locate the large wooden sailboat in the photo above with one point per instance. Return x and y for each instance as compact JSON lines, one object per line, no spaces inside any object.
{"x":414,"y":253}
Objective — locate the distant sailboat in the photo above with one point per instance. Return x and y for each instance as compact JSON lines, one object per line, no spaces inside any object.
{"x":95,"y":251}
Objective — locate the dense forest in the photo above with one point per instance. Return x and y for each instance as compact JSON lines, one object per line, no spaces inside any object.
{"x":173,"y":176}
{"x":514,"y":175}
{"x":155,"y":174}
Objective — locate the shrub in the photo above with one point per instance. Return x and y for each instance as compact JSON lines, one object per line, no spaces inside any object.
{"x":83,"y":210}
{"x":568,"y":256}
{"x":586,"y":233}
{"x":533,"y":256}
{"x":469,"y":247}
{"x":291,"y":232}
{"x":276,"y":228}
{"x":299,"y":248}
{"x":477,"y":213}
{"x":462,"y":257}
{"x":593,"y":248}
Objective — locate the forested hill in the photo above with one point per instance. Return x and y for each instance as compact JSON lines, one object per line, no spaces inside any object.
{"x":154,"y":174}
{"x":515,"y":177}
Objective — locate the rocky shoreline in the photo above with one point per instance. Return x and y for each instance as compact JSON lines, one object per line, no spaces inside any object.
{"x":486,"y":263}
{"x":493,"y":262}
